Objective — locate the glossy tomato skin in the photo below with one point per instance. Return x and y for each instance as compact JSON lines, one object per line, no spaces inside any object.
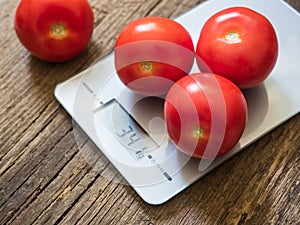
{"x":54,"y":30}
{"x":190,"y":114}
{"x":152,"y":53}
{"x":240,"y":44}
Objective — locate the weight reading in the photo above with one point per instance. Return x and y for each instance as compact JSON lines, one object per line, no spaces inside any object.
{"x":125,"y":129}
{"x":133,"y":138}
{"x":129,"y":132}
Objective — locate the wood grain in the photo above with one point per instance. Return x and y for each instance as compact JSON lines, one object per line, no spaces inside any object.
{"x":50,"y":173}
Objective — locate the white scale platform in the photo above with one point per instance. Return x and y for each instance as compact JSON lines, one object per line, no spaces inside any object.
{"x":129,"y":130}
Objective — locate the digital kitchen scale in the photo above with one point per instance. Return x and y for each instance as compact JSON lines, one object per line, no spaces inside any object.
{"x":129,"y":128}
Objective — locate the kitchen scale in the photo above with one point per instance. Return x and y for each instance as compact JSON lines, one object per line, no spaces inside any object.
{"x":129,"y":129}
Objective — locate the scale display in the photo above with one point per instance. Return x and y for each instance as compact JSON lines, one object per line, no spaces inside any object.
{"x":129,"y":129}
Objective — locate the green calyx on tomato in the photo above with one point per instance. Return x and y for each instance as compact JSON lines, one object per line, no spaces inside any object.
{"x":232,"y":37}
{"x":58,"y":30}
{"x":198,"y":133}
{"x":146,"y":66}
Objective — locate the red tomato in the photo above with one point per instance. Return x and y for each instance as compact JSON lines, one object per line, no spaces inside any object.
{"x":239,"y":44}
{"x":205,"y":115}
{"x":54,"y":30}
{"x":152,"y":53}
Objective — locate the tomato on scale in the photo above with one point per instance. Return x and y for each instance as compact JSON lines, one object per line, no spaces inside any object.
{"x":152,"y":53}
{"x":205,"y":115}
{"x":239,"y":44}
{"x":54,"y":30}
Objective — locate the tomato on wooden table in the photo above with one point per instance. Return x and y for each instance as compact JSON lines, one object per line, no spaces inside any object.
{"x":54,"y":30}
{"x":152,"y":53}
{"x":205,"y":115}
{"x":239,"y":44}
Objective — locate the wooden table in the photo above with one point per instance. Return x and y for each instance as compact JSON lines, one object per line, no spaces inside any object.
{"x":45,"y":179}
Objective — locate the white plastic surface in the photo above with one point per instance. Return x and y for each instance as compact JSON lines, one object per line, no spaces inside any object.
{"x":98,"y":102}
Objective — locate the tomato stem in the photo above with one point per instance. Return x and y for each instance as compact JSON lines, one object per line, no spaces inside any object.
{"x":58,"y":30}
{"x":147,"y":66}
{"x":198,"y":133}
{"x":232,"y":37}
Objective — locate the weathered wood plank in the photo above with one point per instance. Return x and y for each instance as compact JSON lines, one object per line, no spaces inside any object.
{"x":28,"y":172}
